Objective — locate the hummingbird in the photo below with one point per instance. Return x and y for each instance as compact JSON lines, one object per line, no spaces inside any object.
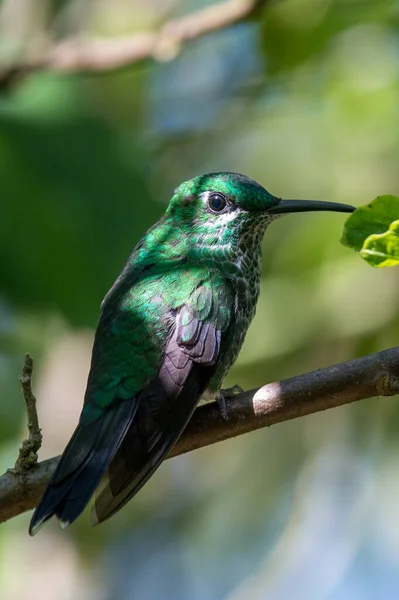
{"x":170,"y":328}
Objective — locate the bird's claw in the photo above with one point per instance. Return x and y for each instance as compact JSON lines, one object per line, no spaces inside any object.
{"x":224,"y":395}
{"x":232,"y":391}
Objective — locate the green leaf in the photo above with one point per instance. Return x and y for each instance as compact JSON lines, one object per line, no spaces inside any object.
{"x":373,"y":231}
{"x":382,"y":249}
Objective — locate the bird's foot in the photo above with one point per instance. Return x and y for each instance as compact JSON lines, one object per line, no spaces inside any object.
{"x":224,"y":395}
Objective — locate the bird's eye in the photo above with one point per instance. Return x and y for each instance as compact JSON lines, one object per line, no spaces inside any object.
{"x":217,"y":202}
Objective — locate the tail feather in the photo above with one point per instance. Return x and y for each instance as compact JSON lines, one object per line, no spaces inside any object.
{"x":82,"y":465}
{"x":139,"y":455}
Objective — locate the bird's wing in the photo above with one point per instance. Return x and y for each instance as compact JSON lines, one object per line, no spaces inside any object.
{"x":167,"y":403}
{"x":124,"y":358}
{"x":152,"y":357}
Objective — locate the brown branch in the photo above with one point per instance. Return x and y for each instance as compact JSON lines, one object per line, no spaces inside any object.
{"x":373,"y":375}
{"x":27,"y":456}
{"x":76,"y":55}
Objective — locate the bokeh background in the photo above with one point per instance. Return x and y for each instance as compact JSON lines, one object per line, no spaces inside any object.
{"x":303,"y":97}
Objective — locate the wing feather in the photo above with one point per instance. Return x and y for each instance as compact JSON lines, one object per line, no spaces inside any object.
{"x":165,"y":406}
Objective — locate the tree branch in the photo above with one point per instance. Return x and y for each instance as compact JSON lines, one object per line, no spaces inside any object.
{"x":27,"y":456}
{"x":372,"y":375}
{"x":76,"y":55}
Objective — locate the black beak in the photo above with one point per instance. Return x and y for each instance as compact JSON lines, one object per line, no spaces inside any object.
{"x":293,"y":206}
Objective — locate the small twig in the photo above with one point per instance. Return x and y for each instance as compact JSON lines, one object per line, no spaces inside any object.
{"x":27,"y":456}
{"x":77,"y":55}
{"x":373,"y":375}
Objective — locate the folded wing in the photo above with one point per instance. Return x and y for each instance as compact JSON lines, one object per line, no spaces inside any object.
{"x":167,"y":403}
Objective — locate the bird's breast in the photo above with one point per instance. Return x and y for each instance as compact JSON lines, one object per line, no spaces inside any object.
{"x":246,"y":284}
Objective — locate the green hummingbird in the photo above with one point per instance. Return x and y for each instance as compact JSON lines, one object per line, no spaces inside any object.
{"x":170,"y":328}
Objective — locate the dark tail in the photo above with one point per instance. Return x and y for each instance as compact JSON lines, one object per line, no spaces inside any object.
{"x":146,"y":444}
{"x":82,"y":465}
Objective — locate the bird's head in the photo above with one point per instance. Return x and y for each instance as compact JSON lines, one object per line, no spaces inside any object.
{"x":230,"y":206}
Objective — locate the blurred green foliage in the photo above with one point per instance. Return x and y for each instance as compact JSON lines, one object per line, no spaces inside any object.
{"x":304,"y":98}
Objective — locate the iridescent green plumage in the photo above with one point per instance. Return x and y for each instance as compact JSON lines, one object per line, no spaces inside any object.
{"x":170,"y":329}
